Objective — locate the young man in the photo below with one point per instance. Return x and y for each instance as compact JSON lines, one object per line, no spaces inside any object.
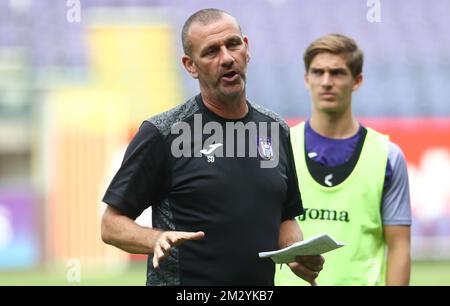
{"x":353,"y":180}
{"x":212,"y":212}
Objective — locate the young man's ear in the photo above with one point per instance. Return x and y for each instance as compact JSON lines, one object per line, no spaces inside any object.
{"x":306,"y":81}
{"x":189,"y":64}
{"x":358,"y":82}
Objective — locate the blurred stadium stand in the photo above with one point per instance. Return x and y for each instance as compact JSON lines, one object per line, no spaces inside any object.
{"x":72,"y":93}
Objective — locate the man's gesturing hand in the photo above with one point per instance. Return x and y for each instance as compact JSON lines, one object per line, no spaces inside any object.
{"x":307,"y":267}
{"x":171,"y":238}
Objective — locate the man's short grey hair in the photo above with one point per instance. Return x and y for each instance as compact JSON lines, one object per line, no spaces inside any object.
{"x":205,"y":17}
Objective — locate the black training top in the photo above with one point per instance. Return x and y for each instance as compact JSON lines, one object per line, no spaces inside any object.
{"x":237,"y":203}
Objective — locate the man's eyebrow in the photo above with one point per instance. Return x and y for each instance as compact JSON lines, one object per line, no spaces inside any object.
{"x":209,"y":47}
{"x":338,"y":69}
{"x":214,"y":45}
{"x":234,"y":38}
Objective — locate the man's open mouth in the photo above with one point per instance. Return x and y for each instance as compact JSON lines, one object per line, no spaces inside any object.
{"x":230,"y":76}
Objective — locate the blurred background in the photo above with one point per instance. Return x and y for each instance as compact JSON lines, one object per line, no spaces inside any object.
{"x":78,"y":77}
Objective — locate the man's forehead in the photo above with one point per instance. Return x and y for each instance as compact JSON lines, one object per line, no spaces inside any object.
{"x":225,"y":26}
{"x":329,"y":60}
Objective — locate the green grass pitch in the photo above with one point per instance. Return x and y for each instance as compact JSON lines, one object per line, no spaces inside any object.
{"x":426,"y":273}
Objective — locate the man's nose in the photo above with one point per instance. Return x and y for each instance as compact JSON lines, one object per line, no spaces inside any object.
{"x":327,"y":80}
{"x":226,"y":58}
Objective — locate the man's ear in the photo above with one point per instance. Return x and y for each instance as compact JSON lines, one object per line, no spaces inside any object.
{"x":358,"y":82}
{"x":248,"y":50}
{"x":306,"y":81}
{"x":189,"y":64}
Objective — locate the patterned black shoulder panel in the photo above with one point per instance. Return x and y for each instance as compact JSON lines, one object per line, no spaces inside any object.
{"x":166,"y":120}
{"x":272,"y":115}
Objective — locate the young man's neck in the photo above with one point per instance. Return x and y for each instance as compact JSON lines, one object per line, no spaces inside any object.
{"x":337,"y":126}
{"x":232,"y":108}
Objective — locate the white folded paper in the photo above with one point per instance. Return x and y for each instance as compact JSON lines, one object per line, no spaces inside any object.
{"x":312,"y":246}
